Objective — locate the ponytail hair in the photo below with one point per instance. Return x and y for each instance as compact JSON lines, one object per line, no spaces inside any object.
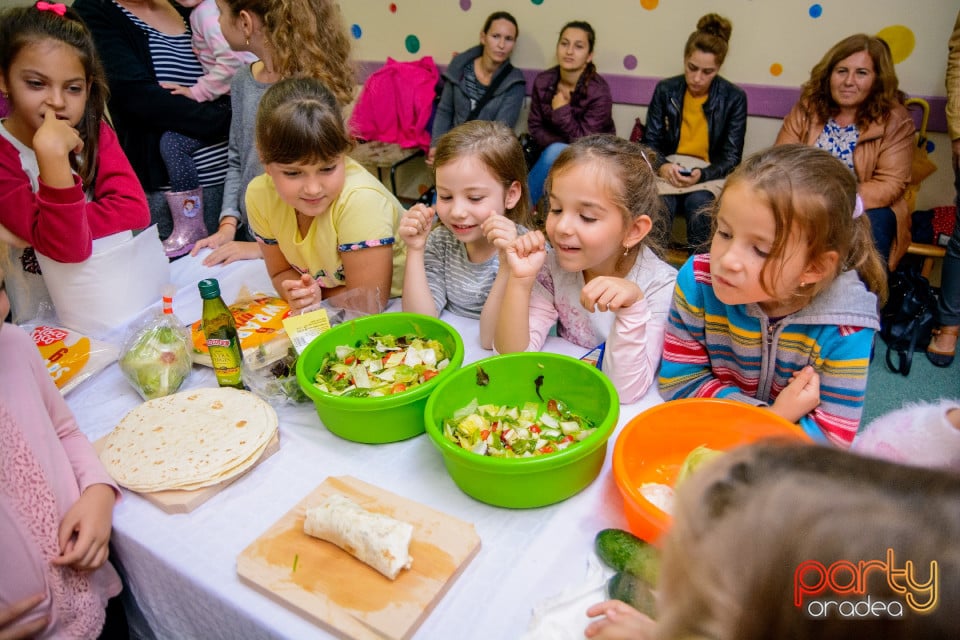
{"x":591,"y":69}
{"x":308,"y":38}
{"x":811,"y":191}
{"x":712,"y":36}
{"x":23,"y":26}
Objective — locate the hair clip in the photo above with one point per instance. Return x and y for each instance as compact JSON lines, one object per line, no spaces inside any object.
{"x":57,"y":7}
{"x":645,"y":159}
{"x":858,"y":207}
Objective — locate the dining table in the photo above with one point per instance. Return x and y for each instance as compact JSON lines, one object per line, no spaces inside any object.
{"x":180,"y":569}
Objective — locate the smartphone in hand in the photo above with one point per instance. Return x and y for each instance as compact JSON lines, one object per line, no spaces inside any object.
{"x":684,"y":171}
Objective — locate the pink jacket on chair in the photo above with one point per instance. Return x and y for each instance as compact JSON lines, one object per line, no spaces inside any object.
{"x":396,"y":103}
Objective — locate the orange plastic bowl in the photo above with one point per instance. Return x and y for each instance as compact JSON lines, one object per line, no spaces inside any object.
{"x":653,"y":445}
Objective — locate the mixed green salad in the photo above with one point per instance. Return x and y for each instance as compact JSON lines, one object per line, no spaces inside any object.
{"x":381,"y":365}
{"x":516,"y":432}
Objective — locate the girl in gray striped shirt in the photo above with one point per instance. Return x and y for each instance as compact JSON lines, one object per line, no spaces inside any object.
{"x":482,"y":200}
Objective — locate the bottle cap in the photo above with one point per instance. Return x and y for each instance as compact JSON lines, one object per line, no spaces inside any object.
{"x":209,"y":288}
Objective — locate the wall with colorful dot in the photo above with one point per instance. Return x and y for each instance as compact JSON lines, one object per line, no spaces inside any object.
{"x":773,"y":42}
{"x":772,"y":49}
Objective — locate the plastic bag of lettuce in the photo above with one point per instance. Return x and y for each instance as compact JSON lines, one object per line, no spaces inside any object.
{"x":156,"y":356}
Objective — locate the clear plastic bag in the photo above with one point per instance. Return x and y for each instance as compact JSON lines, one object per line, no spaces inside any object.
{"x":156,"y":356}
{"x":275,"y":380}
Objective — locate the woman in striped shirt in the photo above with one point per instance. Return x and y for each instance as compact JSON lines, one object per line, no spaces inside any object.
{"x":143,"y":43}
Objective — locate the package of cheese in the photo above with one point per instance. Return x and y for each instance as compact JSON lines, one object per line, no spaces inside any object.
{"x":71,"y":357}
{"x":259,"y":319}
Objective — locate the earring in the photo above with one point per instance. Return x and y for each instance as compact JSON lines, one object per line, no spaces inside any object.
{"x":626,"y":251}
{"x":246,"y":42}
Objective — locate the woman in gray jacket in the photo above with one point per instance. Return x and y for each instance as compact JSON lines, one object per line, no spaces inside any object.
{"x":480,"y":83}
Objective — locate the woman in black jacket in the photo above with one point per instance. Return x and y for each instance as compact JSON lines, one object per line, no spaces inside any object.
{"x":696,"y":122}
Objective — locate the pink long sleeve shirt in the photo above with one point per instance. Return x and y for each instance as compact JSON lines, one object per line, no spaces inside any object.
{"x":220,"y":63}
{"x":634,"y":335}
{"x":46,"y":462}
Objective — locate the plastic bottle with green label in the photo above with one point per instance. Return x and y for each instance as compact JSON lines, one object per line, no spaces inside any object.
{"x":220,"y":332}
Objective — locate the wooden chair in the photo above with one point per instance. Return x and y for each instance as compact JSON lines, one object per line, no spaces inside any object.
{"x":921,"y":169}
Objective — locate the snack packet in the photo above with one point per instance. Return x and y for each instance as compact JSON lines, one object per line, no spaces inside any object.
{"x":71,"y":357}
{"x":259,"y":319}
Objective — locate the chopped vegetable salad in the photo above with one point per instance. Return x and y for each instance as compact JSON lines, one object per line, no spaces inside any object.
{"x":516,"y":432}
{"x":381,"y":365}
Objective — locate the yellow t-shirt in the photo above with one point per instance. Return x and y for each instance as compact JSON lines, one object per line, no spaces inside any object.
{"x":694,"y":138}
{"x":365,"y":214}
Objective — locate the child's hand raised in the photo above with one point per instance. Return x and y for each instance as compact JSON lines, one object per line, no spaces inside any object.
{"x":526,"y":255}
{"x":800,"y":396}
{"x":499,"y":230}
{"x":56,"y":138}
{"x":85,"y":530}
{"x":415,"y":226}
{"x":608,"y":293}
{"x":302,"y":293}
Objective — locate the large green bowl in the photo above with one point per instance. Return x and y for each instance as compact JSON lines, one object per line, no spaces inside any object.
{"x":540,"y":480}
{"x":386,"y":418}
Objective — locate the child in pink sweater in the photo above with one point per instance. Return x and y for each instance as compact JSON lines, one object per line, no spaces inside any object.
{"x":56,"y":505}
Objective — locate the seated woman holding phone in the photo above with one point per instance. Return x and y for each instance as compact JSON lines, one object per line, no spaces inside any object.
{"x":696,"y":122}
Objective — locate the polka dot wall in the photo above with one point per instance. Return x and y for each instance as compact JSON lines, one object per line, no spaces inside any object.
{"x":417,"y":30}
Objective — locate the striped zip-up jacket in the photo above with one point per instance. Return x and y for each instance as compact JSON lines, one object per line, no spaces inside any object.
{"x":734,"y":351}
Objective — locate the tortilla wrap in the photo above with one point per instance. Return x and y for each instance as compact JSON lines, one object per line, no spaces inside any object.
{"x":373,"y":538}
{"x":189,"y":440}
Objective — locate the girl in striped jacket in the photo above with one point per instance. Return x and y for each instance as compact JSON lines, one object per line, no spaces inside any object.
{"x":782,"y":312}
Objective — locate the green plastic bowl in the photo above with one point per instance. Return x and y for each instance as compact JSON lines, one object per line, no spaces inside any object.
{"x":540,"y":480}
{"x":385,"y":418}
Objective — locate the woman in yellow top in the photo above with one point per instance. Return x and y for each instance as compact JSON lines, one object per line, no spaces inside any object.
{"x":696,"y":122}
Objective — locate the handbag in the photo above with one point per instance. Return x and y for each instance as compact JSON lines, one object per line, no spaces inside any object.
{"x":907,"y":320}
{"x":531,"y":150}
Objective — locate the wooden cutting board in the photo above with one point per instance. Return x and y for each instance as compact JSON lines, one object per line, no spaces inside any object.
{"x":187,"y":501}
{"x":342,"y":594}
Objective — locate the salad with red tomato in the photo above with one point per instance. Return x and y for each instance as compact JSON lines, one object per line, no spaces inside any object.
{"x":381,"y":365}
{"x":516,"y":432}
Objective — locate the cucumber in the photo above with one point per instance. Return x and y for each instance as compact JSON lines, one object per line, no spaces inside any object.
{"x":632,"y":589}
{"x":623,"y":551}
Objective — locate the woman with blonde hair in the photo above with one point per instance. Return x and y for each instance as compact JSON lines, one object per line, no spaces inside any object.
{"x":852,"y":107}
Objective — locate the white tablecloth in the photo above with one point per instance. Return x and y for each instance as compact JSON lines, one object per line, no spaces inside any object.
{"x":181,"y":568}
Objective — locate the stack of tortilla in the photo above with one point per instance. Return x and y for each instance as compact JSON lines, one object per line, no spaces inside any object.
{"x":189,"y":440}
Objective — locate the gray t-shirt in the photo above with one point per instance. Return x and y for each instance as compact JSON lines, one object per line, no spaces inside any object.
{"x":456,"y":283}
{"x":243,"y":162}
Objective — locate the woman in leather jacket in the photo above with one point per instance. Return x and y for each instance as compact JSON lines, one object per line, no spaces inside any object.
{"x":702,"y":118}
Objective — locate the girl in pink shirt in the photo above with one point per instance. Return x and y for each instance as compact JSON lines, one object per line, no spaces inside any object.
{"x":56,"y":504}
{"x":600,"y":281}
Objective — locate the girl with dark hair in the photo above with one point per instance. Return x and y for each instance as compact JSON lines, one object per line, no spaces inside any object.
{"x":480,"y":83}
{"x":324,"y":223}
{"x":568,"y":101}
{"x":696,"y":122}
{"x":852,"y":107}
{"x":64,"y":181}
